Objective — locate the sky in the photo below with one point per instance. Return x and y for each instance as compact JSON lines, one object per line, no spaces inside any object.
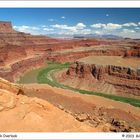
{"x":123,"y":22}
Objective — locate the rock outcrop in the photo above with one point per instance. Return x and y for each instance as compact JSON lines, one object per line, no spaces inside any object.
{"x":9,"y":87}
{"x":15,"y":70}
{"x":73,"y":56}
{"x":20,"y":52}
{"x":124,"y":80}
{"x":6,"y":27}
{"x":11,"y":53}
{"x":17,"y":45}
{"x":20,"y":113}
{"x":133,"y":52}
{"x":98,"y":112}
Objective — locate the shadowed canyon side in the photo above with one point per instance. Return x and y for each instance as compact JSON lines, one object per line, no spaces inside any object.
{"x":107,"y":66}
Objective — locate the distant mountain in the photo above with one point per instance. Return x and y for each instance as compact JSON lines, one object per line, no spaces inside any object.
{"x":108,"y":36}
{"x":81,"y":36}
{"x":62,"y":36}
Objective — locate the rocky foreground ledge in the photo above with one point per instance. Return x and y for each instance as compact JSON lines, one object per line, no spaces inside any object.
{"x":20,"y":113}
{"x":41,"y":108}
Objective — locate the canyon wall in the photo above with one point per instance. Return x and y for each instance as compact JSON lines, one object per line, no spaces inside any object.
{"x":73,"y":56}
{"x":20,"y":52}
{"x":19,"y":68}
{"x":11,"y":53}
{"x":6,"y":27}
{"x":125,"y":80}
{"x":10,"y":36}
{"x":16,"y":45}
{"x":133,"y":52}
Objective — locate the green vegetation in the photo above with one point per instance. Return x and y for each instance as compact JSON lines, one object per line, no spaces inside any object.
{"x":31,"y":76}
{"x":46,"y":76}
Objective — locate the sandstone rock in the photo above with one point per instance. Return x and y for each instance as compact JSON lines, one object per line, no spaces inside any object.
{"x":7,"y":100}
{"x":82,"y":117}
{"x":96,"y":119}
{"x":61,"y":107}
{"x":6,"y":85}
{"x":106,"y":127}
{"x":120,"y":126}
{"x":120,"y":79}
{"x":1,"y":108}
{"x":20,"y":113}
{"x":133,"y":51}
{"x":117,"y":122}
{"x":6,"y":27}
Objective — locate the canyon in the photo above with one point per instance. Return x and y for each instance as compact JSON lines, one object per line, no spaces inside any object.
{"x":105,"y":74}
{"x":105,"y":66}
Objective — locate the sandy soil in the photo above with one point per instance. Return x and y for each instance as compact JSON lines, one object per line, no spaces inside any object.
{"x":112,"y":60}
{"x":75,"y":103}
{"x":96,"y":47}
{"x":19,"y":113}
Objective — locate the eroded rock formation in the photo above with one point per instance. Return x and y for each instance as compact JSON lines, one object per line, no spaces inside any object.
{"x":6,"y":27}
{"x":125,"y":80}
{"x":133,"y":52}
{"x":9,"y":87}
{"x":73,"y":56}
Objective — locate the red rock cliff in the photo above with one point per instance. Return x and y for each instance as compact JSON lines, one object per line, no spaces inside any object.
{"x":6,"y":27}
{"x":125,"y":80}
{"x":133,"y":51}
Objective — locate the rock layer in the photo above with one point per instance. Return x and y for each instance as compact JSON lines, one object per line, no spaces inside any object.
{"x":125,"y":80}
{"x":133,"y":52}
{"x":13,"y":71}
{"x":6,"y":27}
{"x":73,"y":56}
{"x":9,"y":87}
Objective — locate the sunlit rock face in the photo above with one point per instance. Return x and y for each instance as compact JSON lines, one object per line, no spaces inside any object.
{"x":109,"y":79}
{"x":6,"y":27}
